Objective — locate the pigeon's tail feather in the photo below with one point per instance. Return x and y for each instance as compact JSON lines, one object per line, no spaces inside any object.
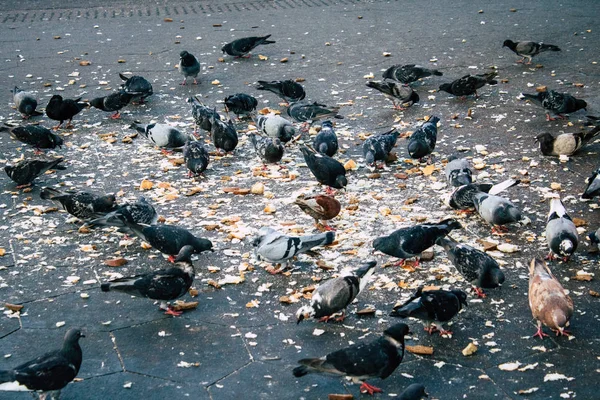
{"x":436,"y":72}
{"x":322,"y":239}
{"x":7,"y":376}
{"x":300,"y":371}
{"x":533,"y":97}
{"x":49,"y":193}
{"x":136,"y":228}
{"x":434,"y":120}
{"x":549,"y":47}
{"x":588,"y":136}
{"x":126,"y":286}
{"x":406,"y":310}
{"x":363,"y":270}
{"x":502,"y":186}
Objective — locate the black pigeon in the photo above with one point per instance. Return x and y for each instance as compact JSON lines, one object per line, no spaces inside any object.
{"x":378,"y":147}
{"x":404,"y":93}
{"x":202,"y":114}
{"x":416,"y":391}
{"x":188,"y":66}
{"x":409,"y":73}
{"x":62,"y":110}
{"x":477,"y":267}
{"x":462,"y":197}
{"x":561,"y":232}
{"x":162,"y":135}
{"x":243,"y":46}
{"x":34,"y":135}
{"x":377,"y":359}
{"x":422,"y":141}
{"x":336,"y":294}
{"x":83,"y":205}
{"x":223,"y":134}
{"x":140,"y":212}
{"x":276,"y":127}
{"x":593,"y":186}
{"x":26,"y":103}
{"x":25,"y":171}
{"x":458,"y":172}
{"x":138,"y":86}
{"x":196,"y":157}
{"x":49,"y":373}
{"x":326,"y":141}
{"x":327,"y":170}
{"x":164,"y":284}
{"x":566,"y":143}
{"x":496,"y":211}
{"x":113,"y":102}
{"x":595,"y":238}
{"x":270,"y":150}
{"x":556,"y":103}
{"x":241,"y":104}
{"x":468,"y":84}
{"x":433,"y":307}
{"x":309,"y":112}
{"x":290,"y":91}
{"x":528,"y":49}
{"x":413,"y":240}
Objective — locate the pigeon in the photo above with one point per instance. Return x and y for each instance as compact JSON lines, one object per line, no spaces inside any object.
{"x":462,"y":197}
{"x":140,"y":212}
{"x":188,"y":67}
{"x":409,"y":73}
{"x":395,"y":91}
{"x":162,"y":135}
{"x":496,"y":211}
{"x":202,"y":114}
{"x":61,"y":110}
{"x":556,"y":103}
{"x":327,"y":170}
{"x":422,"y":141}
{"x":433,"y":307}
{"x":416,"y":391}
{"x":164,"y":284}
{"x":550,"y":304}
{"x":595,"y":238}
{"x":83,"y":205}
{"x":26,"y":103}
{"x":458,"y":172}
{"x":276,"y":127}
{"x":290,"y":91}
{"x":336,"y":294}
{"x":377,"y":359}
{"x":326,"y":141}
{"x":561,"y":233}
{"x":593,"y":186}
{"x":413,"y":240}
{"x":528,"y":50}
{"x":476,"y":266}
{"x":275,"y":247}
{"x":25,"y":171}
{"x":270,"y":150}
{"x":195,"y":157}
{"x":310,"y":112}
{"x":240,"y":104}
{"x":138,"y":86}
{"x":468,"y":84}
{"x":241,"y":47}
{"x":378,"y":147}
{"x":34,"y":135}
{"x":566,"y":143}
{"x":223,"y":134}
{"x":113,"y":102}
{"x":319,"y":206}
{"x":47,"y":374}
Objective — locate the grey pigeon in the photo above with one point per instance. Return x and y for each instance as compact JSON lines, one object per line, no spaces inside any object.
{"x":34,"y":135}
{"x":416,"y":391}
{"x":162,"y":135}
{"x":164,"y":284}
{"x":566,"y":143}
{"x":202,"y":114}
{"x":26,"y":103}
{"x":528,"y":50}
{"x":243,"y":46}
{"x":458,"y":171}
{"x":326,"y":141}
{"x":595,"y":238}
{"x":113,"y":102}
{"x":25,"y":171}
{"x":270,"y":150}
{"x":592,"y":188}
{"x":276,"y":127}
{"x":310,"y":112}
{"x":422,"y":141}
{"x":468,"y":84}
{"x":241,"y":104}
{"x":395,"y":91}
{"x":409,"y":73}
{"x":196,"y":157}
{"x":561,"y":233}
{"x":556,"y":103}
{"x":433,"y":307}
{"x":377,"y":359}
{"x":83,"y":205}
{"x":140,"y":212}
{"x":62,"y":110}
{"x":327,"y":170}
{"x":336,"y":294}
{"x":47,"y":374}
{"x":289,"y":90}
{"x":496,"y":211}
{"x":138,"y":86}
{"x":411,"y":241}
{"x":378,"y":147}
{"x":462,"y":197}
{"x":188,"y":67}
{"x":275,"y":247}
{"x":477,"y":267}
{"x":223,"y":134}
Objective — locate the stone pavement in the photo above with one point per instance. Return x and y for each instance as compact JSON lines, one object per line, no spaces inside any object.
{"x":242,"y":340}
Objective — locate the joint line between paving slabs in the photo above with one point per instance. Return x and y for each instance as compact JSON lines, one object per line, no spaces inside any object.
{"x":113,"y":339}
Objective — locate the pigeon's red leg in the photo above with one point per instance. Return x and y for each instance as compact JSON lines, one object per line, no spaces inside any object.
{"x":325,"y":319}
{"x":330,"y":191}
{"x":550,"y":256}
{"x":521,"y":61}
{"x":562,"y":333}
{"x":184,"y":82}
{"x":467,"y":211}
{"x":560,"y":116}
{"x":166,"y":152}
{"x":37,"y":151}
{"x":23,"y":186}
{"x":171,"y":259}
{"x":549,"y":118}
{"x":416,"y":262}
{"x":172,"y":312}
{"x":116,"y":115}
{"x":540,"y":333}
{"x":195,"y":81}
{"x":57,"y":127}
{"x":479,"y":292}
{"x":399,"y":263}
{"x":499,"y":229}
{"x":366,"y":388}
{"x":341,"y":318}
{"x":326,"y":226}
{"x":445,"y":332}
{"x":430,"y":329}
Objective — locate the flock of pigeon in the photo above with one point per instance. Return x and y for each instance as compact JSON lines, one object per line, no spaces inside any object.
{"x":550,"y":305}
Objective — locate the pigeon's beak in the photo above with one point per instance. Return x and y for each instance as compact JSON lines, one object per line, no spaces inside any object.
{"x":426,"y":394}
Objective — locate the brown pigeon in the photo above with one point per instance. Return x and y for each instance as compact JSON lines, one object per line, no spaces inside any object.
{"x":320,"y":207}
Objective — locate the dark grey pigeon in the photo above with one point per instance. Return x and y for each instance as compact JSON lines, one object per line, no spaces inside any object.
{"x":243,"y":46}
{"x":496,"y":211}
{"x":377,"y":359}
{"x":409,"y":73}
{"x":416,"y":391}
{"x":477,"y":267}
{"x":276,"y":127}
{"x":411,"y":241}
{"x":223,"y":134}
{"x":113,"y":102}
{"x":289,"y":90}
{"x":561,"y":233}
{"x":403,"y":93}
{"x":196,"y":157}
{"x":556,"y":103}
{"x":62,"y":110}
{"x":468,"y":84}
{"x":188,"y":67}
{"x":309,"y":112}
{"x":34,"y":135}
{"x":378,"y":147}
{"x":25,"y":171}
{"x":327,"y":170}
{"x":164,"y":284}
{"x":595,"y":238}
{"x":202,"y":114}
{"x":270,"y":150}
{"x":433,"y":307}
{"x":49,"y":373}
{"x":326,"y":141}
{"x":162,"y":135}
{"x":138,"y":86}
{"x":140,"y":212}
{"x":83,"y":205}
{"x":462,"y":197}
{"x":592,"y":188}
{"x":26,"y":103}
{"x":336,"y":294}
{"x":241,"y":104}
{"x":528,"y":50}
{"x":458,"y":171}
{"x":566,"y":143}
{"x":422,"y":141}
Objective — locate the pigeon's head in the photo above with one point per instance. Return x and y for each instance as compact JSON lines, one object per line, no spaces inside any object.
{"x":183,"y":54}
{"x":326,"y":124}
{"x":303,"y":313}
{"x":288,"y":133}
{"x":28,"y":109}
{"x":98,"y":102}
{"x":9,"y":169}
{"x":448,"y":200}
{"x":56,"y":98}
{"x":57,"y":141}
{"x":72,"y":336}
{"x":418,"y":149}
{"x":594,"y":237}
{"x":544,"y":138}
{"x":226,"y":48}
{"x":370,"y":157}
{"x":446,"y":87}
{"x":340,"y":182}
{"x":201,"y":245}
{"x":397,"y":332}
{"x":566,"y":248}
{"x":508,"y":43}
{"x":451,"y":223}
{"x":461,"y":296}
{"x":558,"y":320}
{"x":185,"y":254}
{"x":105,"y":203}
{"x":384,"y":244}
{"x":580,"y":104}
{"x":491,"y":278}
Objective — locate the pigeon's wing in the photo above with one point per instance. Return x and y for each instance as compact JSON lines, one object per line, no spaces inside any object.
{"x":335,"y":295}
{"x":52,"y":371}
{"x":166,"y":284}
{"x":440,"y":304}
{"x":360,"y":360}
{"x":593,"y":186}
{"x":527,"y":48}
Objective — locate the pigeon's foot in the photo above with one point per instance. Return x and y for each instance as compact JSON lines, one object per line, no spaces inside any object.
{"x":172,"y":312}
{"x":24,"y":186}
{"x":341,"y":318}
{"x":430,"y":329}
{"x":566,"y":259}
{"x":183,"y":83}
{"x":550,"y":256}
{"x":195,"y":81}
{"x":329,"y":191}
{"x":399,"y":263}
{"x":399,"y":107}
{"x":479,"y":292}
{"x":116,"y":115}
{"x":324,"y":319}
{"x":171,"y":259}
{"x":540,"y":333}
{"x":324,"y":227}
{"x":499,"y":229}
{"x":562,"y":332}
{"x":57,"y":127}
{"x":166,"y":152}
{"x":366,"y":388}
{"x":417,"y":261}
{"x":468,"y":211}
{"x":69,"y":126}
{"x":521,"y":61}
{"x":37,"y":151}
{"x":445,"y":332}
{"x":275,"y":271}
